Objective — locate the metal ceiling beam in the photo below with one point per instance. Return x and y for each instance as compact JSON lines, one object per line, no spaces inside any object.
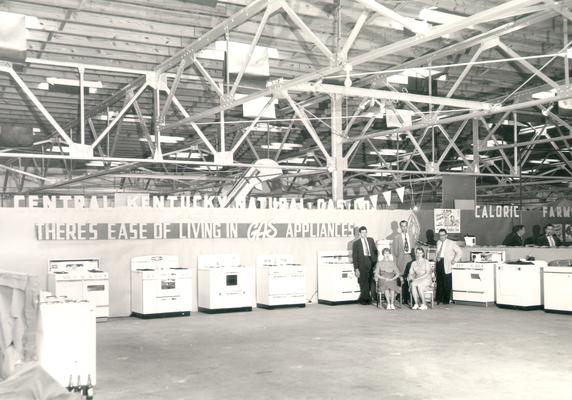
{"x":492,"y":34}
{"x":10,"y":71}
{"x":306,"y":121}
{"x":19,"y":171}
{"x":431,"y":34}
{"x":564,"y":94}
{"x":389,"y":95}
{"x":389,"y":13}
{"x":119,"y":116}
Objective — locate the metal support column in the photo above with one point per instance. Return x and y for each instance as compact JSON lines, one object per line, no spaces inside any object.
{"x":476,"y":146}
{"x":337,"y":162}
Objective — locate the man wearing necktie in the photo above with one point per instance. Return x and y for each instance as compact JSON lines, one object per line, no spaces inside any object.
{"x":548,"y":239}
{"x":401,"y":249}
{"x":448,"y":253}
{"x":364,"y":255}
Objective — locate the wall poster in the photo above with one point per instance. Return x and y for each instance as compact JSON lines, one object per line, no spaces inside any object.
{"x":449,"y":219}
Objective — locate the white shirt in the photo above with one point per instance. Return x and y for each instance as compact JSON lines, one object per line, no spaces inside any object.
{"x":441,"y":250}
{"x":551,"y":241}
{"x":365,"y":246}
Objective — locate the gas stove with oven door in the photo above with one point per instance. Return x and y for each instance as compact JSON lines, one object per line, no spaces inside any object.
{"x":337,"y":282}
{"x":224,"y":285}
{"x":160,"y":287}
{"x":279,"y":282}
{"x":80,"y":279}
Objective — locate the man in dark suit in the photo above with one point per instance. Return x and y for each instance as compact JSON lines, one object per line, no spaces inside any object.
{"x":364,"y":254}
{"x":548,"y":239}
{"x":516,"y":237}
{"x":402,"y":249}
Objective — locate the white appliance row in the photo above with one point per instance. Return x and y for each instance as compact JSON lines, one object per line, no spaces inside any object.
{"x":279,"y":282}
{"x":337,"y":283}
{"x":80,"y":279}
{"x":160,"y":287}
{"x":66,"y":340}
{"x":520,"y":284}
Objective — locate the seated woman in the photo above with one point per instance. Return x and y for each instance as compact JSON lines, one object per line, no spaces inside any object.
{"x":386,"y":274}
{"x":419,"y":278}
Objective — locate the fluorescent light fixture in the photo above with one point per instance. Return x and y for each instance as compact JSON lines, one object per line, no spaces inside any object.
{"x":268,"y":128}
{"x":101,"y":164}
{"x":59,"y":149}
{"x":545,"y":161}
{"x":418,"y":26}
{"x":544,"y":95}
{"x":91,"y":86}
{"x":301,"y":171}
{"x":165,"y":139}
{"x":36,"y":131}
{"x":402,"y":77}
{"x":298,"y":160}
{"x":384,"y":165}
{"x":286,"y":146}
{"x":185,"y":154}
{"x":208,"y":168}
{"x":388,"y":152}
{"x":529,"y":171}
{"x":126,"y":118}
{"x":493,"y":143}
{"x":379,"y":174}
{"x":371,"y":114}
{"x":509,"y":122}
{"x":431,"y":14}
{"x":393,"y":136}
{"x":460,"y":168}
{"x":471,"y":157}
{"x":535,"y":129}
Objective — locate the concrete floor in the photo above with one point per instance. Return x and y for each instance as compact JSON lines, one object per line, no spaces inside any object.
{"x":339,"y":352}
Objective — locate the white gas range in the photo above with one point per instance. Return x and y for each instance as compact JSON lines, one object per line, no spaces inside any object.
{"x":474,"y":282}
{"x":337,"y":283}
{"x":160,"y":287}
{"x":279,"y":282}
{"x":80,"y":279}
{"x":224,"y":285}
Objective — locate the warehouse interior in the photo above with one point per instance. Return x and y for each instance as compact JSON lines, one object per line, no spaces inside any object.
{"x":190,"y":133}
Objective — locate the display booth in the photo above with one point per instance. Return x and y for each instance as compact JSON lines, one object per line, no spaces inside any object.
{"x":115,"y":236}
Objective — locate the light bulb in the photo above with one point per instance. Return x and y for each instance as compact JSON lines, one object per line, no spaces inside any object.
{"x":348,"y":81}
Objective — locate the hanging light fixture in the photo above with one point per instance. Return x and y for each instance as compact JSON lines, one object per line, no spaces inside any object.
{"x":348,"y":82}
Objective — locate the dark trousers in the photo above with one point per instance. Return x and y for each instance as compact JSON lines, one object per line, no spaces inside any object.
{"x":444,"y":283}
{"x":366,"y":283}
{"x":405,"y":297}
{"x":405,"y":267}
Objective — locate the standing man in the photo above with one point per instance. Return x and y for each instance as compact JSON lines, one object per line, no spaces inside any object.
{"x":364,"y":254}
{"x":549,"y":238}
{"x":448,"y":253}
{"x":402,"y":250}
